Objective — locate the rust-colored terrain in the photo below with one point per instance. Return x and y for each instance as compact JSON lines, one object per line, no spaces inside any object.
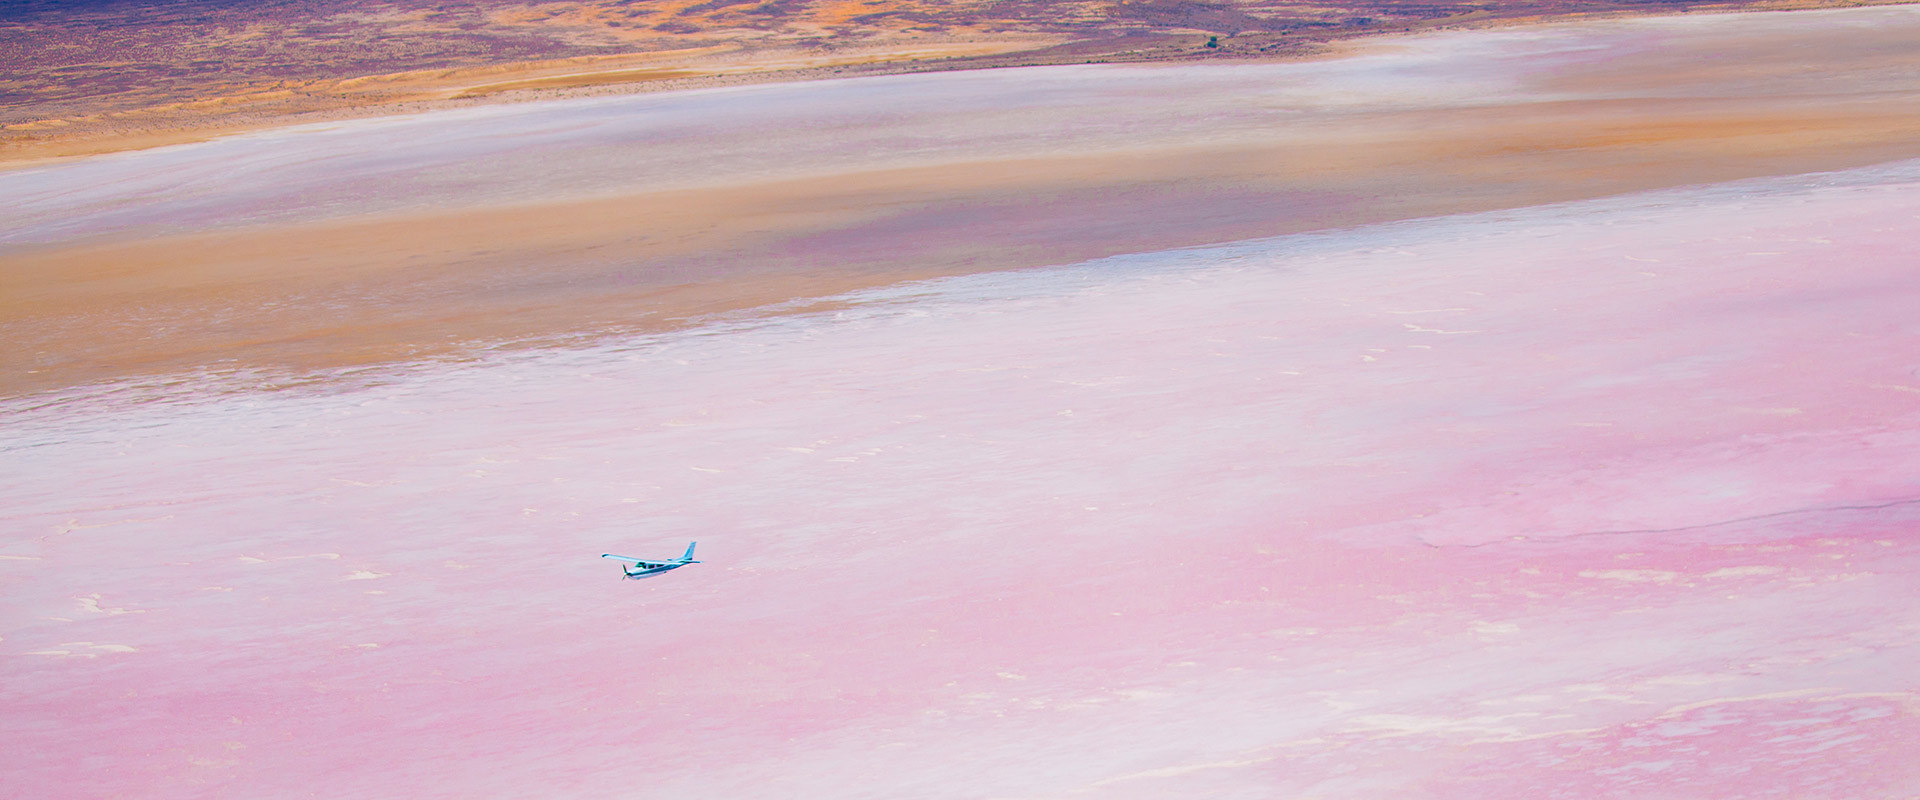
{"x":100,"y":75}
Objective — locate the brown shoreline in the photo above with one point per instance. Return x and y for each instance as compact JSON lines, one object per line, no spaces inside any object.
{"x":387,"y":288}
{"x":213,"y":110}
{"x":371,"y":290}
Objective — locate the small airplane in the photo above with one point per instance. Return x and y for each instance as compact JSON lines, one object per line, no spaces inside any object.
{"x":642,"y":568}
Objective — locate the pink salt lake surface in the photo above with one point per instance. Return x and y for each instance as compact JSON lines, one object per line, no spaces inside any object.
{"x":1612,"y":499}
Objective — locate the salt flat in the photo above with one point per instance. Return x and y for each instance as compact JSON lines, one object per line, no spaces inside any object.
{"x":1609,"y":497}
{"x":1602,"y":499}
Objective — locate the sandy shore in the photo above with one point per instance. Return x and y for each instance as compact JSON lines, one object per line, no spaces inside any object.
{"x":194,"y":72}
{"x":188,"y":257}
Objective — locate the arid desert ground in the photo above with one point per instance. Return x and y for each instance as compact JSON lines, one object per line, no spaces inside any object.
{"x":1465,"y":411}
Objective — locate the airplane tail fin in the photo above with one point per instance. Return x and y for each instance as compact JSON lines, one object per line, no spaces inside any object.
{"x":689,"y":555}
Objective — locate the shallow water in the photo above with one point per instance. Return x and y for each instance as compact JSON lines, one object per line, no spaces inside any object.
{"x":1604,"y":499}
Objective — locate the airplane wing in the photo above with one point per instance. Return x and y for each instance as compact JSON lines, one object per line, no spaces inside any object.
{"x":640,"y":561}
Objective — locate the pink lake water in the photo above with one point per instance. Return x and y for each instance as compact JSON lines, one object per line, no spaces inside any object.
{"x":1614,"y":499}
